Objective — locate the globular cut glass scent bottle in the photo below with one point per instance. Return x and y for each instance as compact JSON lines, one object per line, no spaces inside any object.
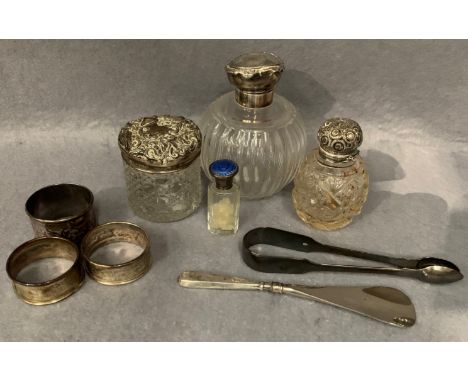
{"x":332,"y":183}
{"x":223,"y":198}
{"x":162,"y":166}
{"x":259,"y":130}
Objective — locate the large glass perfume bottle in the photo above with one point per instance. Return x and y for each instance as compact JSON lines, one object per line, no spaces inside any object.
{"x":223,"y":198}
{"x":332,"y":183}
{"x":262,"y":133}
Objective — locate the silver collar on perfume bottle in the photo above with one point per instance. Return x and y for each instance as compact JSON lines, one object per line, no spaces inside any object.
{"x":253,"y":100}
{"x":336,"y":160}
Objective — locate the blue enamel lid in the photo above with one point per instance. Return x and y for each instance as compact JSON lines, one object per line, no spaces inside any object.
{"x":223,"y":170}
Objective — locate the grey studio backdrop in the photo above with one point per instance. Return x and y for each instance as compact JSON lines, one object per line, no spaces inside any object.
{"x":62,"y":104}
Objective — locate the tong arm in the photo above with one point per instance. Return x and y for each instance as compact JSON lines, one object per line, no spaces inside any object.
{"x":297,"y":242}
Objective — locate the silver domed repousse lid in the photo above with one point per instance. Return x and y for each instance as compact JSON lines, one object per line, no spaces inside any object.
{"x":339,"y":139}
{"x":255,"y":75}
{"x":160,"y":143}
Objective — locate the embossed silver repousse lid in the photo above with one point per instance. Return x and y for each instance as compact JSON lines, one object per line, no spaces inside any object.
{"x":255,"y":75}
{"x":339,"y":139}
{"x":160,"y":143}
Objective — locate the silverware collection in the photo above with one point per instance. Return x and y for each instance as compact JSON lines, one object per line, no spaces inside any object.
{"x":251,"y":143}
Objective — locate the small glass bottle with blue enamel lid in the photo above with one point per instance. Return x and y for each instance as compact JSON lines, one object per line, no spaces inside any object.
{"x":223,"y":198}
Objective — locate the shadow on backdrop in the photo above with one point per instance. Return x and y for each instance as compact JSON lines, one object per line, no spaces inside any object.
{"x":452,"y":298}
{"x":456,"y":243}
{"x":382,"y":167}
{"x":312,"y":99}
{"x":404,"y":225}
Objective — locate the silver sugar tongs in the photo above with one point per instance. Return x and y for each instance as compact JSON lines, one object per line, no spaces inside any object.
{"x":428,"y":269}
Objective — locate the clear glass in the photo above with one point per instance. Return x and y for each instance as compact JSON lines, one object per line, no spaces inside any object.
{"x":327,"y":198}
{"x":164,"y":197}
{"x":267,"y":143}
{"x":223,"y":210}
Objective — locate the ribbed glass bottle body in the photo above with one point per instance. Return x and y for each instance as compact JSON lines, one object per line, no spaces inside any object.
{"x":267,"y":143}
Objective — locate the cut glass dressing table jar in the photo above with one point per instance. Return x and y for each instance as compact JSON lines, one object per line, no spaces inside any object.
{"x":162,"y":167}
{"x":262,"y":132}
